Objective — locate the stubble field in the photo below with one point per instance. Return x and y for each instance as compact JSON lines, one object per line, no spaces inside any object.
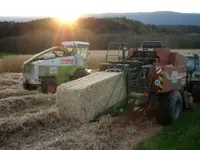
{"x":29,"y":120}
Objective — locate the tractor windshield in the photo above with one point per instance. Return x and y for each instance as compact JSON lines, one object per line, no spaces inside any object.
{"x":191,"y":61}
{"x":79,"y":49}
{"x":82,"y":50}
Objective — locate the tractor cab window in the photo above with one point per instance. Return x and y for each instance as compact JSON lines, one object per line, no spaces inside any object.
{"x":191,"y":62}
{"x":68,"y":51}
{"x":82,"y":51}
{"x":59,"y":53}
{"x":198,"y":64}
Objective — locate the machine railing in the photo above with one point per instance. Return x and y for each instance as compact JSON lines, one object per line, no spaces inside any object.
{"x":113,"y":52}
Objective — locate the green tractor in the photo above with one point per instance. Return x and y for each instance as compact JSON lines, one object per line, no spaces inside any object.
{"x":55,"y":66}
{"x":193,"y":75}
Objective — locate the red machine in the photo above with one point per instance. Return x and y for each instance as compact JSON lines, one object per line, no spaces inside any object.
{"x":156,"y":78}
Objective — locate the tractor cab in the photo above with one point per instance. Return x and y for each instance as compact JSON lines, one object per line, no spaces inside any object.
{"x":76,"y":48}
{"x":193,"y":75}
{"x":56,"y":65}
{"x":193,"y":62}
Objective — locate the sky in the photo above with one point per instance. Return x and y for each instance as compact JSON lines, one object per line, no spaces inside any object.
{"x":74,"y":7}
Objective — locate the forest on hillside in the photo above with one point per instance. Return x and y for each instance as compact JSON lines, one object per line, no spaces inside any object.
{"x":37,"y":35}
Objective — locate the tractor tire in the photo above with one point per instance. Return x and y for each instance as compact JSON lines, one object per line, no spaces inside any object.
{"x":49,"y":86}
{"x":187,"y":104}
{"x":79,"y":74}
{"x":196,"y":92}
{"x":169,"y":108}
{"x":25,"y":86}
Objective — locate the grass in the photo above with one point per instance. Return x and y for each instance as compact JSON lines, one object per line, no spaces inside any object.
{"x":5,"y":54}
{"x":12,"y":63}
{"x":182,"y":135}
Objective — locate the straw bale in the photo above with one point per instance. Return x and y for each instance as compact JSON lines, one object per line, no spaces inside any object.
{"x":86,"y":98}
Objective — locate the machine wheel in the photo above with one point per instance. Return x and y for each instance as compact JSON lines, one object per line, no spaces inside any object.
{"x":25,"y":86}
{"x":196,"y":92}
{"x":49,"y":86}
{"x":170,"y":107}
{"x":79,"y":74}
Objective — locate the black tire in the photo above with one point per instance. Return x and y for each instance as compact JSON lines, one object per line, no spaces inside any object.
{"x":170,"y":108}
{"x":49,"y":86}
{"x":196,"y":92}
{"x":25,"y":86}
{"x":79,"y":74}
{"x":186,"y":101}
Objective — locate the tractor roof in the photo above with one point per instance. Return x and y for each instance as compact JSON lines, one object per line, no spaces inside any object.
{"x":191,"y":55}
{"x":73,"y":43}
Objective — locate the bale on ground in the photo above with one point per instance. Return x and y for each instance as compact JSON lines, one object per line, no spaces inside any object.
{"x":86,"y":98}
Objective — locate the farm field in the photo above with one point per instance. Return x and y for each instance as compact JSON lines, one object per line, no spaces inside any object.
{"x":29,"y":120}
{"x":12,"y":63}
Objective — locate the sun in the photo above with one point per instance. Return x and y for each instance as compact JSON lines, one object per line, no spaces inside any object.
{"x":68,"y":18}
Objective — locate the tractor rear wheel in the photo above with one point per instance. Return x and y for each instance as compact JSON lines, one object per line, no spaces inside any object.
{"x":196,"y":92}
{"x":170,"y":107}
{"x":49,"y":86}
{"x":79,"y":74}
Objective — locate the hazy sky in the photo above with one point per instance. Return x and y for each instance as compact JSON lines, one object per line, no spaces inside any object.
{"x":70,"y":7}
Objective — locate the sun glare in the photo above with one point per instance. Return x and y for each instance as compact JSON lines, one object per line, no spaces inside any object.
{"x":68,"y":18}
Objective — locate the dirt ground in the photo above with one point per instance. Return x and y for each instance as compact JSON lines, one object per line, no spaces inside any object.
{"x":29,"y":120}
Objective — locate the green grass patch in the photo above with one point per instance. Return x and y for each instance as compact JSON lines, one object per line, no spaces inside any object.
{"x":182,"y":135}
{"x":5,"y":54}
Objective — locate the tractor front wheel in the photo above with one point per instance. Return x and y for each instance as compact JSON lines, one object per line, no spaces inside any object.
{"x":30,"y":87}
{"x":25,"y":85}
{"x":49,"y":86}
{"x":170,"y":107}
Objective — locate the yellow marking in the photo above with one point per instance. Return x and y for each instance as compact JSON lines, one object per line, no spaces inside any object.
{"x":160,"y":78}
{"x":161,"y":86}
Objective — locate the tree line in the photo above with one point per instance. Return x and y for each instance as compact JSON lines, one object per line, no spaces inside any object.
{"x":37,"y":35}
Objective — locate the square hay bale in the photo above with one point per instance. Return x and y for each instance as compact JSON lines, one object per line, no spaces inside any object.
{"x":86,"y":98}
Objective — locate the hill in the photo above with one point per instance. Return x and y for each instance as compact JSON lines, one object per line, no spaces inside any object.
{"x":37,"y":35}
{"x":19,"y":19}
{"x":157,"y":18}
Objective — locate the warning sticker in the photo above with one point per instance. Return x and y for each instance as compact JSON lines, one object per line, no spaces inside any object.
{"x":174,"y":76}
{"x":53,"y":70}
{"x":158,"y":70}
{"x":157,"y":82}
